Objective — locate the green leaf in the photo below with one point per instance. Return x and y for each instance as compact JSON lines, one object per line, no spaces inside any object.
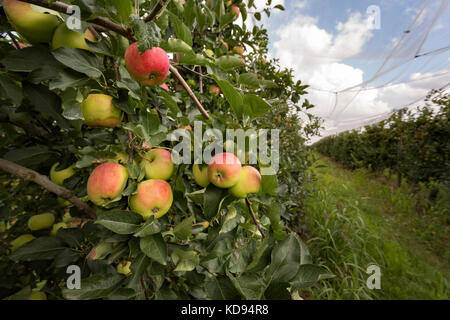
{"x":181,"y":30}
{"x":29,"y":156}
{"x":250,"y":80}
{"x":94,"y":287}
{"x":79,"y":60}
{"x":67,"y":79}
{"x":138,"y":268}
{"x":233,"y":97}
{"x":221,"y":288}
{"x":42,"y":248}
{"x":151,"y":226}
{"x":185,"y":260}
{"x":285,"y":260}
{"x":255,"y":105}
{"x":269,"y":184}
{"x":184,"y":229}
{"x":196,"y":60}
{"x":148,"y":34}
{"x":46,"y":102}
{"x":229,"y":62}
{"x":120,"y":221}
{"x":124,"y":8}
{"x":308,"y":275}
{"x":28,"y":59}
{"x":251,"y":287}
{"x":211,"y":201}
{"x":279,"y":7}
{"x":176,"y":45}
{"x":9,"y":89}
{"x":155,"y":248}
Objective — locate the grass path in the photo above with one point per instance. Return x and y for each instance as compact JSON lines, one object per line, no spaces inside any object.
{"x":357,"y":218}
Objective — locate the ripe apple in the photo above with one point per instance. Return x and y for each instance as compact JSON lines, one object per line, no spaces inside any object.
{"x":37,"y":296}
{"x":106,"y":183}
{"x":56,"y":227}
{"x":224,"y":170}
{"x":200,"y":175}
{"x":36,"y":27}
{"x":58,"y":177}
{"x":99,"y":111}
{"x":20,"y":241}
{"x":249,"y":182}
{"x":41,"y":221}
{"x":149,"y":68}
{"x":124,"y":267}
{"x":214,"y":89}
{"x":158,"y":164}
{"x":239,"y":50}
{"x":164,"y":86}
{"x":64,"y":37}
{"x":153,"y":198}
{"x":235,"y":10}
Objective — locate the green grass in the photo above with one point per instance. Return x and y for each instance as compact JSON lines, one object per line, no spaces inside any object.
{"x":357,"y":218}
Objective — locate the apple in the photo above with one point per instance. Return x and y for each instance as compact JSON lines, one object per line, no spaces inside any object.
{"x":36,"y":27}
{"x":124,"y":267}
{"x":239,"y":50}
{"x":214,"y":89}
{"x":158,"y":164}
{"x":249,"y":182}
{"x":153,"y":198}
{"x":192,"y":82}
{"x":164,"y":86}
{"x":41,"y":221}
{"x":209,"y":52}
{"x":106,"y":183}
{"x":242,"y":59}
{"x":58,"y":177}
{"x":20,"y":241}
{"x":229,"y":3}
{"x":225,"y":44}
{"x":235,"y":10}
{"x":188,"y":127}
{"x":224,"y":170}
{"x":66,"y":217}
{"x":148,"y":68}
{"x":37,"y":296}
{"x":64,"y":37}
{"x":100,"y":251}
{"x":200,"y":175}
{"x":99,"y":111}
{"x":56,"y":227}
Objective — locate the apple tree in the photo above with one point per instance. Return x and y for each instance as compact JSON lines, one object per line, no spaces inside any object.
{"x":92,"y":205}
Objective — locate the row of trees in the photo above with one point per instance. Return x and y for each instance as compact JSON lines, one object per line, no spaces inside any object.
{"x":209,"y":245}
{"x":413,"y":143}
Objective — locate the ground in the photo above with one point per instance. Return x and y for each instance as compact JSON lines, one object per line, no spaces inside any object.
{"x":358,"y":218}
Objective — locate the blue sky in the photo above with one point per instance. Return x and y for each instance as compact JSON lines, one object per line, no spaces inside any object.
{"x":329,"y":46}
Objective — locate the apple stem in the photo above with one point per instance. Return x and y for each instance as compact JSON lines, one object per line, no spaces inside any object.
{"x":31,"y":175}
{"x":249,"y":204}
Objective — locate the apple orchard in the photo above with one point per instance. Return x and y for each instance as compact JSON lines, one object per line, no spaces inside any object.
{"x":91,"y":120}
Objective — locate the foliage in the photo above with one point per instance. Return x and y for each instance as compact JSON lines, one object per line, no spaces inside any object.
{"x":178,"y":256}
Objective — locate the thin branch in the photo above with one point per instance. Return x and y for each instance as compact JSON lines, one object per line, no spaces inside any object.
{"x":249,"y":204}
{"x":156,"y":10}
{"x":14,"y":40}
{"x":189,"y":91}
{"x":200,"y":79}
{"x":145,"y":290}
{"x":132,"y":147}
{"x":31,"y":175}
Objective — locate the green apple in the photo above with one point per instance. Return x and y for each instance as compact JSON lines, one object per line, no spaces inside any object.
{"x":153,"y":198}
{"x":66,"y":217}
{"x":41,"y":221}
{"x":31,"y":21}
{"x":106,"y":183}
{"x":58,"y":177}
{"x":124,"y":267}
{"x":99,"y":111}
{"x":158,"y":164}
{"x":56,"y":227}
{"x":249,"y":182}
{"x":209,"y":52}
{"x":37,"y":296}
{"x":20,"y":241}
{"x":200,"y":173}
{"x":64,"y":37}
{"x":239,"y":50}
{"x":224,"y":170}
{"x":192,"y":83}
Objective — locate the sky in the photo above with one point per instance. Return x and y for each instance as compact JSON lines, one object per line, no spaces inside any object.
{"x":335,"y":45}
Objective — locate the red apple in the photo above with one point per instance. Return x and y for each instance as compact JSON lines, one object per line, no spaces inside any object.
{"x":164,"y":86}
{"x":153,"y":198}
{"x":235,"y":10}
{"x":239,"y":50}
{"x":224,"y":170}
{"x":106,"y":183}
{"x":214,"y":89}
{"x":149,"y":68}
